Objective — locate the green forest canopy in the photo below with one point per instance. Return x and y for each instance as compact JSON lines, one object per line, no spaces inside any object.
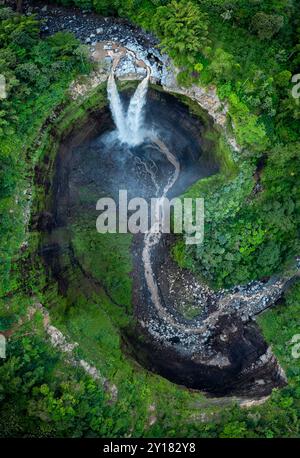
{"x":249,"y":50}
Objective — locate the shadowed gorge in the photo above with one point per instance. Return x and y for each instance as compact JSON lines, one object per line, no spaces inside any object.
{"x":189,"y":328}
{"x":94,"y":163}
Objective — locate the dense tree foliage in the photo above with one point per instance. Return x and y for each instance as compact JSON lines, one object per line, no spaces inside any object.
{"x":248,"y":50}
{"x":36,"y":74}
{"x":252,"y":240}
{"x":43,"y":395}
{"x":182,"y":28}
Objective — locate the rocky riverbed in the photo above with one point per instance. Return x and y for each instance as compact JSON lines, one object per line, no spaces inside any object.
{"x":105,"y":34}
{"x":202,"y":338}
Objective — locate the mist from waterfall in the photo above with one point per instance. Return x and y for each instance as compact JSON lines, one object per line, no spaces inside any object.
{"x":130,"y":125}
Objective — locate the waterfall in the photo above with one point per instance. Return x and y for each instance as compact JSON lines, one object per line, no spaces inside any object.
{"x":129,"y":127}
{"x":116,"y":106}
{"x":135,"y":115}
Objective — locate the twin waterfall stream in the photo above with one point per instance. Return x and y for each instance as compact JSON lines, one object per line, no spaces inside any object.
{"x":132,"y":131}
{"x":130,"y":125}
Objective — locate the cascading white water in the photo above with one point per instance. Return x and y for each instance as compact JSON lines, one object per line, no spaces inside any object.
{"x":116,"y":106}
{"x":135,"y":115}
{"x":130,"y":127}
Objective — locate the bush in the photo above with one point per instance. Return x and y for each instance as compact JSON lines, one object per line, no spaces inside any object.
{"x":267,"y":25}
{"x":183,"y":30}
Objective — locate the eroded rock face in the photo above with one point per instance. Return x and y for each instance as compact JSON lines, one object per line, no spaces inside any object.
{"x":213,"y":344}
{"x":243,"y":365}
